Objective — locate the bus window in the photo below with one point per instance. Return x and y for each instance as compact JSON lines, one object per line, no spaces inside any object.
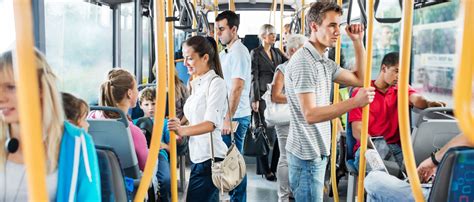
{"x":7,"y":23}
{"x":127,"y":40}
{"x":79,"y":45}
{"x":435,"y":32}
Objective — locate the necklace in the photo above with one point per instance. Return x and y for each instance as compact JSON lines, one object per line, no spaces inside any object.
{"x":5,"y":183}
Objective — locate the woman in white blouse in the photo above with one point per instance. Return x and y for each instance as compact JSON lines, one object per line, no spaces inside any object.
{"x":205,"y":110}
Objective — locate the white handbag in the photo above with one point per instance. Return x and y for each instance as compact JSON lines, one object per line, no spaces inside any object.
{"x":275,"y":114}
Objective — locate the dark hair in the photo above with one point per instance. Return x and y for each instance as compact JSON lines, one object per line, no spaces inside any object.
{"x":318,"y":10}
{"x":231,"y":16}
{"x":206,"y":45}
{"x":74,"y":108}
{"x":391,"y":59}
{"x":115,"y":88}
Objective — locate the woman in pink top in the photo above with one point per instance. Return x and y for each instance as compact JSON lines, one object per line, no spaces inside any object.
{"x":120,"y":90}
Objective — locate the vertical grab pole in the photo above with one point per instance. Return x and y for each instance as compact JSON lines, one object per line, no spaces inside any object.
{"x":171,"y":103}
{"x":195,"y":20}
{"x":282,"y":5}
{"x":232,"y":5}
{"x":303,"y":21}
{"x":29,"y":102}
{"x":403,"y":110}
{"x":463,"y":91}
{"x":365,"y":111}
{"x":160,"y":55}
{"x":275,"y":4}
{"x":216,"y":8}
{"x":334,"y":123}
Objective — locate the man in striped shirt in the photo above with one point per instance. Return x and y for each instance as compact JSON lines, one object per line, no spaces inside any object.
{"x":308,"y":83}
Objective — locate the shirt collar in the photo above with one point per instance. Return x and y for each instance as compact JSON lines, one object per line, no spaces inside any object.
{"x":313,"y":51}
{"x":228,"y":50}
{"x":199,"y":80}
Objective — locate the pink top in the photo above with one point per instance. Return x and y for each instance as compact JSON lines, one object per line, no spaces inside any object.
{"x":139,"y":140}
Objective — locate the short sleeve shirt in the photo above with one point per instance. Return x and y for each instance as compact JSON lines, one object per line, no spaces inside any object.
{"x":236,"y":63}
{"x":207,"y":102}
{"x":309,"y":72}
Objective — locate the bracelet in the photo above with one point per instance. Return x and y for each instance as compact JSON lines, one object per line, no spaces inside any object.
{"x":433,"y":158}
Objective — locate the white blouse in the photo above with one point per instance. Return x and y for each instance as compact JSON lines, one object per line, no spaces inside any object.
{"x":207,"y":102}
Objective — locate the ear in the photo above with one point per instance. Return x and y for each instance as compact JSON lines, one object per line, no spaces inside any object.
{"x":234,"y":29}
{"x":384,"y":68}
{"x":314,"y":26}
{"x":205,"y":57}
{"x":129,"y":93}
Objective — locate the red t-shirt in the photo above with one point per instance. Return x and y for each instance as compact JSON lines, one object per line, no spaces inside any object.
{"x":383,"y":116}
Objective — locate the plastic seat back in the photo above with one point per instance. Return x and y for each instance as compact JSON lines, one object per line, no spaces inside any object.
{"x":111,"y":175}
{"x":251,"y":41}
{"x":115,"y":133}
{"x":455,"y":176}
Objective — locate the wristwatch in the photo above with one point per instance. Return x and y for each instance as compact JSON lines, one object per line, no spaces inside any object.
{"x":433,"y":158}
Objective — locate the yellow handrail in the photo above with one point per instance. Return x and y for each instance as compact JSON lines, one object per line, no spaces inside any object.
{"x":403,"y":110}
{"x":303,"y":21}
{"x":232,"y":5}
{"x":155,"y":143}
{"x":365,"y":111}
{"x":216,"y":8}
{"x":334,"y":123}
{"x":463,"y":91}
{"x":282,"y":5}
{"x":195,"y":20}
{"x":29,"y":102}
{"x":171,"y":103}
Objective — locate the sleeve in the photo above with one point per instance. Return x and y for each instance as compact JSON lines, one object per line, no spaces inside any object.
{"x":411,"y":90}
{"x":216,"y":103}
{"x":165,"y":138}
{"x":356,"y":113}
{"x":303,"y":81}
{"x":141,"y":148}
{"x":255,"y":90}
{"x":89,"y":189}
{"x":241,"y":66}
{"x":336,"y":70}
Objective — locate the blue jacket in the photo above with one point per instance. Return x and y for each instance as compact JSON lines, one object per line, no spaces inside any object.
{"x":78,"y":168}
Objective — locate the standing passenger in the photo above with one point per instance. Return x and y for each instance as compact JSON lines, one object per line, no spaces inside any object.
{"x":205,"y":110}
{"x":308,"y":79}
{"x":67,"y":148}
{"x":265,"y":59}
{"x":236,"y":69}
{"x":294,"y":42}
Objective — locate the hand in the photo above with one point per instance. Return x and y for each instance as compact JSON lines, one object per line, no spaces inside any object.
{"x":436,"y":104}
{"x":426,"y":169}
{"x":175,"y":125}
{"x":355,"y":32}
{"x":255,"y":106}
{"x":164,"y":146}
{"x":365,"y":96}
{"x":226,"y":127}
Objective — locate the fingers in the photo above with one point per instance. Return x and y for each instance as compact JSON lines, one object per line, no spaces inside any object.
{"x":355,"y":28}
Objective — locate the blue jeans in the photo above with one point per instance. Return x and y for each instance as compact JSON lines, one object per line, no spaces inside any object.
{"x":201,"y":188}
{"x":163,"y":176}
{"x":380,"y":186}
{"x":239,"y":194}
{"x":394,"y":148}
{"x":307,"y":177}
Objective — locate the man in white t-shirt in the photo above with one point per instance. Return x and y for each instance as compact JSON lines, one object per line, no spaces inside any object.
{"x":236,"y":66}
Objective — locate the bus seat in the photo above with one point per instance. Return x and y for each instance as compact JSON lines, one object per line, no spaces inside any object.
{"x":103,"y":131}
{"x":111,"y":175}
{"x":455,"y":176}
{"x":182,"y":72}
{"x":251,"y":41}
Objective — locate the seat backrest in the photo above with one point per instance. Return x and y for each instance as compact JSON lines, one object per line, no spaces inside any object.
{"x":431,"y":135}
{"x":115,"y":133}
{"x":455,"y":176}
{"x":111,"y":175}
{"x":251,"y":41}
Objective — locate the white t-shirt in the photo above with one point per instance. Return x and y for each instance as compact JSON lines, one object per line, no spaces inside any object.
{"x":236,"y":63}
{"x":206,"y":103}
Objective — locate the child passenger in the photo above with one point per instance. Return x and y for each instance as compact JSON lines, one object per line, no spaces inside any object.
{"x":76,"y":110}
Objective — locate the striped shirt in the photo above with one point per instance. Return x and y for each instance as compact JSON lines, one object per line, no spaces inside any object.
{"x":309,"y":72}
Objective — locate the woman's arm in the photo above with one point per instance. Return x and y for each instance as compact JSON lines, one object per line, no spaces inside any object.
{"x":277,"y":89}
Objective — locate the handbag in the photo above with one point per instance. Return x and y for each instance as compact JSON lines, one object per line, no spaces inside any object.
{"x":275,"y":113}
{"x":256,"y":142}
{"x":228,"y":173}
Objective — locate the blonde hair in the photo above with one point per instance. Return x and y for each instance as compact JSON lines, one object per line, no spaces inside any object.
{"x":51,"y":105}
{"x":266,"y":29}
{"x":115,"y":88}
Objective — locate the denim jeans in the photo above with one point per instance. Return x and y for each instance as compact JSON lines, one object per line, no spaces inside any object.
{"x":282,"y":173}
{"x":394,"y":148}
{"x":239,"y":194}
{"x":201,"y":188}
{"x":380,"y":186}
{"x":307,"y":178}
{"x":163,"y":176}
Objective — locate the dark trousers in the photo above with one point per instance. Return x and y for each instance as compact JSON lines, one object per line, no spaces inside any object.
{"x":263,"y":166}
{"x":163,"y":176}
{"x":201,"y":188}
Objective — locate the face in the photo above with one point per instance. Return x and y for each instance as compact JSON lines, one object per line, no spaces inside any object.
{"x":269,"y":38}
{"x":224,"y":32}
{"x":386,"y":36}
{"x":148,"y":108}
{"x":8,"y":99}
{"x":196,"y":65}
{"x":328,"y":32}
{"x":82,"y":123}
{"x":390,"y":74}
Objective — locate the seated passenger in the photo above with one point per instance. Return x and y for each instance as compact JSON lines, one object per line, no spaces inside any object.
{"x":381,"y":186}
{"x":383,"y":118}
{"x":147,"y":104}
{"x":76,"y":110}
{"x":120,"y":90}
{"x":71,"y":176}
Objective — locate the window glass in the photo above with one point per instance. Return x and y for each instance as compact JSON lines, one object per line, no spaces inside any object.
{"x":79,"y":45}
{"x":7,"y":24}
{"x":146,"y":49}
{"x":127,"y":26}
